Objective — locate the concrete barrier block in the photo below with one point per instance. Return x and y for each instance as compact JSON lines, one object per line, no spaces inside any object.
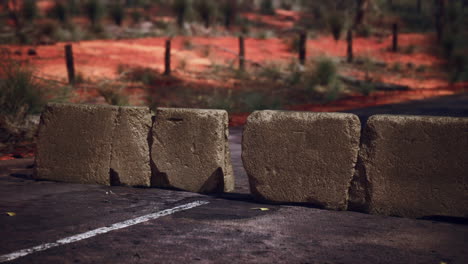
{"x":190,"y":150}
{"x":74,"y":143}
{"x":415,"y":166}
{"x":301,"y":156}
{"x":130,"y":160}
{"x":94,"y":144}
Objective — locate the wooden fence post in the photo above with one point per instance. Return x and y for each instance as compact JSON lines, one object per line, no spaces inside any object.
{"x":70,"y":63}
{"x":302,"y":47}
{"x":349,"y":39}
{"x":167,"y":58}
{"x":241,"y":53}
{"x":395,"y":37}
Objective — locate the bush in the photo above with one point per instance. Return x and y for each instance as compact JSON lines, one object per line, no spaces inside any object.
{"x":366,"y":88}
{"x":271,"y":72}
{"x":20,"y":92}
{"x":334,"y":90}
{"x":113,"y":95}
{"x":144,"y":75}
{"x":258,"y":101}
{"x":325,"y":72}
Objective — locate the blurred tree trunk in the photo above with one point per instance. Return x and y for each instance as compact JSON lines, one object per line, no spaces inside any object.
{"x":439,"y":18}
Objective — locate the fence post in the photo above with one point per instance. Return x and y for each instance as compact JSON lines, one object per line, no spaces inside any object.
{"x":167,"y":58}
{"x":241,"y":53}
{"x":70,"y":63}
{"x":349,"y":39}
{"x":395,"y":37}
{"x":302,"y":47}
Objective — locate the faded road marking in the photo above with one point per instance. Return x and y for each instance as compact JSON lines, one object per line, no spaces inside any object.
{"x":98,"y":231}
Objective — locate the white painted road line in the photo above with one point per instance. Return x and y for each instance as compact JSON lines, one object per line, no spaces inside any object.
{"x":98,"y":231}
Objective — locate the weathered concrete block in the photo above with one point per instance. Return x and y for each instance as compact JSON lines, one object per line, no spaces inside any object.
{"x":190,"y":150}
{"x":301,"y":156}
{"x":415,"y":166}
{"x":94,"y":144}
{"x":130,"y":160}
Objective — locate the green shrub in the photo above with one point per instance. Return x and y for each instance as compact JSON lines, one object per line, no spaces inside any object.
{"x":258,"y":101}
{"x":20,"y":92}
{"x":366,"y":88}
{"x":117,"y":12}
{"x":334,"y":90}
{"x":326,"y":72}
{"x":271,"y":71}
{"x":294,"y":73}
{"x":144,"y":75}
{"x":113,"y":95}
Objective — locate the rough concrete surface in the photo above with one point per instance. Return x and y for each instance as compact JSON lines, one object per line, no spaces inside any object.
{"x":94,"y":144}
{"x":190,"y":150}
{"x":301,"y":156}
{"x":415,"y":166}
{"x":130,"y":160}
{"x":74,"y":143}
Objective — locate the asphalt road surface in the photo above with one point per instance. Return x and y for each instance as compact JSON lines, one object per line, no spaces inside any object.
{"x":73,"y":223}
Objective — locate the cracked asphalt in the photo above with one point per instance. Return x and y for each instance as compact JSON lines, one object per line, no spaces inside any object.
{"x":231,"y":228}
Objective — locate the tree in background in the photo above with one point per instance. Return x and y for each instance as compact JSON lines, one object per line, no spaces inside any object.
{"x":60,"y":11}
{"x":117,"y":12}
{"x":267,"y":8}
{"x":180,"y":8}
{"x":29,"y":10}
{"x":206,"y":11}
{"x":229,"y":10}
{"x":94,"y":10}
